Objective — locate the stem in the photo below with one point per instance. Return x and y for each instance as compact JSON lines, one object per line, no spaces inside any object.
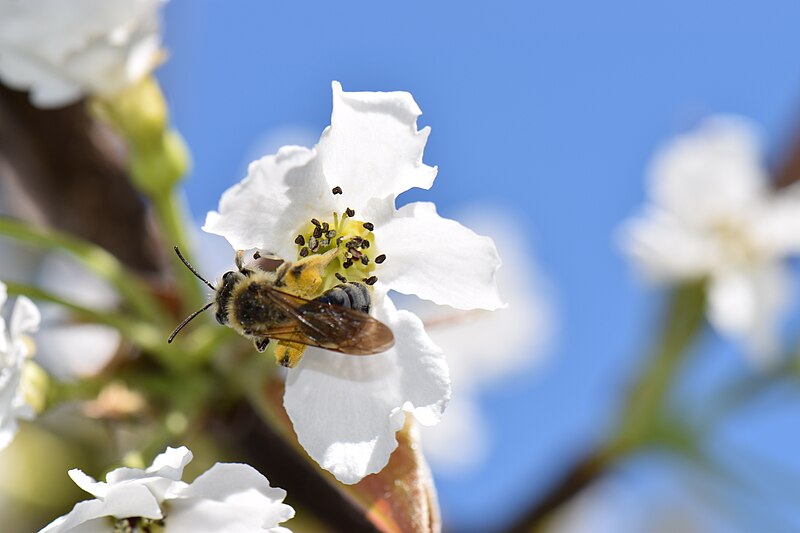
{"x":170,"y":211}
{"x":144,"y":335}
{"x":128,"y":285}
{"x":642,"y":419}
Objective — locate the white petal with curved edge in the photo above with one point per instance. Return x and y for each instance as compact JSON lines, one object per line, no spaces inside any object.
{"x":747,"y":305}
{"x":228,"y":497}
{"x":711,"y":173}
{"x":346,"y":409}
{"x":438,"y":259}
{"x":372,"y":148}
{"x":25,"y":317}
{"x":777,"y":228}
{"x":665,"y":248}
{"x":263,"y":210}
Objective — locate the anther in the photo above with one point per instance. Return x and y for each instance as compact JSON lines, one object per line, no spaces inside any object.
{"x":325,"y":227}
{"x":380,"y":259}
{"x":331,"y":234}
{"x":348,"y":255}
{"x":303,"y":251}
{"x":356,"y":254}
{"x":313,"y":244}
{"x":349,"y":212}
{"x":317,"y":232}
{"x":300,"y":240}
{"x":336,"y":190}
{"x":339,"y":241}
{"x":341,"y":278}
{"x":369,"y":226}
{"x":324,"y":242}
{"x":315,"y":222}
{"x":371,"y":280}
{"x":365,"y":244}
{"x":256,"y":255}
{"x":364,"y":260}
{"x":347,"y":264}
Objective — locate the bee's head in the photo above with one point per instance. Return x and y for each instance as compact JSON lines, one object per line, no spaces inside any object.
{"x":224,"y":292}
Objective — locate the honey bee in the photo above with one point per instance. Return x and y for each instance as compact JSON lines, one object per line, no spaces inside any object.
{"x":261,"y":304}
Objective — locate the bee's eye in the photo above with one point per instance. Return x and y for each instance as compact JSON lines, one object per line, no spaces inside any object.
{"x":220,"y":316}
{"x":227,"y":276}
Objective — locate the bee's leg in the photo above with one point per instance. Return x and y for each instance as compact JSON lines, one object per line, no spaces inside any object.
{"x":261,"y":344}
{"x":239,"y":260}
{"x":288,"y":354}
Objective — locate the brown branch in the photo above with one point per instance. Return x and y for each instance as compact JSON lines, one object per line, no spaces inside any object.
{"x":72,"y":169}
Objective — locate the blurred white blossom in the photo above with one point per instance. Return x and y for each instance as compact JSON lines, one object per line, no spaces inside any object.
{"x":484,"y":348}
{"x":714,"y":216}
{"x":226,"y":498}
{"x":346,"y":410}
{"x":62,"y":50}
{"x":15,"y":348}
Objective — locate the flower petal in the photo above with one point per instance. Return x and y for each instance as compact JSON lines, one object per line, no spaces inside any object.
{"x":372,"y":148}
{"x":25,"y":317}
{"x":777,"y":230}
{"x":438,"y":259}
{"x":747,"y":304}
{"x":346,"y":409}
{"x":711,"y":173}
{"x":228,"y":497}
{"x":667,"y":249}
{"x":264,"y":210}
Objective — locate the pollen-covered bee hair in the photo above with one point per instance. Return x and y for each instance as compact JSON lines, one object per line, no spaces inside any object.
{"x":262,"y":302}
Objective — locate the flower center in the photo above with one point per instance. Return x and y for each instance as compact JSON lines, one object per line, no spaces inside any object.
{"x":138,"y":525}
{"x":356,"y":256}
{"x":736,"y":243}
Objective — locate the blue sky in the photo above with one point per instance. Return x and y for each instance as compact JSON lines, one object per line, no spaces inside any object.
{"x":548,"y":111}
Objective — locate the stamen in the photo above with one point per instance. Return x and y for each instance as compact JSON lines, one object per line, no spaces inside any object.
{"x":256,"y":255}
{"x":315,"y":222}
{"x":336,"y":190}
{"x":313,"y":244}
{"x":369,"y":226}
{"x":380,"y":259}
{"x":364,"y":260}
{"x":331,"y":234}
{"x":341,"y":278}
{"x":371,"y":280}
{"x":303,"y":251}
{"x":347,"y":264}
{"x":324,"y":242}
{"x":365,"y":244}
{"x":300,"y":240}
{"x":349,"y":212}
{"x":325,"y":227}
{"x":339,"y":241}
{"x":317,"y":232}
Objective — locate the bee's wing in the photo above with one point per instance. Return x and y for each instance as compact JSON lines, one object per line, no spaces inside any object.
{"x":328,"y":326}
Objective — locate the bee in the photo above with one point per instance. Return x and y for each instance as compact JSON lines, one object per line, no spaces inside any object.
{"x":263,"y":303}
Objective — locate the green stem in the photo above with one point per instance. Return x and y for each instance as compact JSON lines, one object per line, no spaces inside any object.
{"x":133,"y":291}
{"x":643,"y":415}
{"x":144,"y":335}
{"x":170,"y":211}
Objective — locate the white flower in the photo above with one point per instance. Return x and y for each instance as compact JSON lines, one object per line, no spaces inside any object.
{"x":227,"y":498}
{"x":14,"y":350}
{"x":62,"y":50}
{"x":715,"y":217}
{"x":484,"y":348}
{"x":345,"y":410}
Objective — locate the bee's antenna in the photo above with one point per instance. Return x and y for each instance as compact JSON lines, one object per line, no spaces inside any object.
{"x":190,"y":317}
{"x":201,"y":278}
